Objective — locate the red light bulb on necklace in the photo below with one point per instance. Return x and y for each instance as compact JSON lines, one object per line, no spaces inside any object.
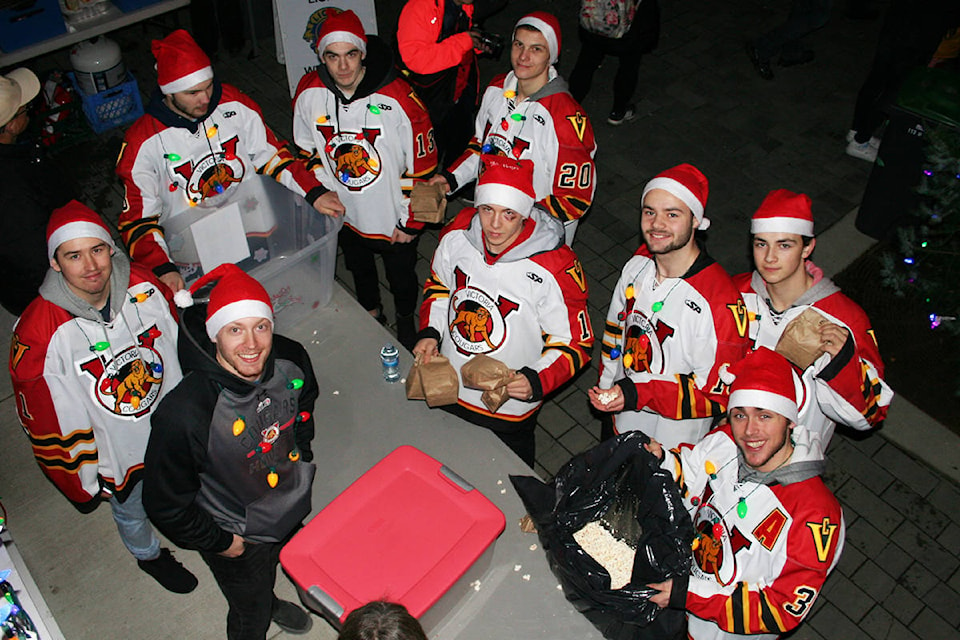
{"x":504,"y":124}
{"x":717,"y":531}
{"x":229,"y":156}
{"x":359,"y":136}
{"x":172,"y":187}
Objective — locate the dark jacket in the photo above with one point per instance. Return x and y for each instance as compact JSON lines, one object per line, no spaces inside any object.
{"x":205,"y":478}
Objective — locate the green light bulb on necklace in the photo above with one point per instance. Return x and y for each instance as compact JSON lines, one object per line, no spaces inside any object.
{"x":296,"y":383}
{"x":100,"y":346}
{"x":742,"y":508}
{"x":517,"y":117}
{"x":656,"y":306}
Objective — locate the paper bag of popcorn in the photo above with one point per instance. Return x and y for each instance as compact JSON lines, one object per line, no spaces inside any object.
{"x":436,"y":382}
{"x":490,"y":376}
{"x":800,"y":341}
{"x":428,"y":202}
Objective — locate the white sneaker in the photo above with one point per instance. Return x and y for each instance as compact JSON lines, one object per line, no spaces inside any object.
{"x":616,"y":119}
{"x":863,"y":150}
{"x":874,"y":142}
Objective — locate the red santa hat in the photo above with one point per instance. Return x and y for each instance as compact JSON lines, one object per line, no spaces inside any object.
{"x":548,"y":25}
{"x":235,"y":295}
{"x":506,"y":182}
{"x":764,"y":379}
{"x":181,"y":63}
{"x":784,"y":211}
{"x":685,"y":182}
{"x":75,"y":220}
{"x":342,"y":27}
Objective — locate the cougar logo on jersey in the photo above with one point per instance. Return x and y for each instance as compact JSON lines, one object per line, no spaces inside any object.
{"x":644,"y":340}
{"x":477,"y":322}
{"x":355,"y":156}
{"x":128,"y":384}
{"x":214,"y":173}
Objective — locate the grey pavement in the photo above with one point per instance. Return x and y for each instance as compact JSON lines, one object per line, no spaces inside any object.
{"x":700,"y":101}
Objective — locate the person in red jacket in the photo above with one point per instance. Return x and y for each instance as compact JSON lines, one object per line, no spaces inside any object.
{"x":436,"y":40}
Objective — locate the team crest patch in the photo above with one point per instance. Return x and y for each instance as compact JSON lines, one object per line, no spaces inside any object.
{"x":214,"y":174}
{"x":477,"y":322}
{"x":355,"y":156}
{"x":128,"y":384}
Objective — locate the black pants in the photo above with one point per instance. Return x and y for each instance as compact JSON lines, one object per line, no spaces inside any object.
{"x":806,"y":16}
{"x":247,"y":584}
{"x":399,"y":261}
{"x":642,"y":37}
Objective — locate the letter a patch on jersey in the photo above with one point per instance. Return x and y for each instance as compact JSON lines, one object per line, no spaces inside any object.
{"x":823,"y":537}
{"x":579,"y":123}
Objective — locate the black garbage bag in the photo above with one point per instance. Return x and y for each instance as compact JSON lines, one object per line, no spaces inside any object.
{"x":619,"y":484}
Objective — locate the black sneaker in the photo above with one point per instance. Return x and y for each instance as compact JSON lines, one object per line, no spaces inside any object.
{"x":290,"y":617}
{"x":617,"y":118}
{"x":166,"y":570}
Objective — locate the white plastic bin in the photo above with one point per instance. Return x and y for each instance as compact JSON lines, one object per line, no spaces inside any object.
{"x":292,"y":249}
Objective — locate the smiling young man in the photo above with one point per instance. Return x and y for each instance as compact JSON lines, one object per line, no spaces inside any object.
{"x":228,"y":469}
{"x":529,"y":114}
{"x":845,"y":383}
{"x":197,"y":140}
{"x":504,"y":284}
{"x":90,"y":360}
{"x":370,"y":139}
{"x":767,"y":529}
{"x":675,"y":319}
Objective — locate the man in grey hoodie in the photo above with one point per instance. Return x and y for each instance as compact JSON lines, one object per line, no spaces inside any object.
{"x":90,"y":359}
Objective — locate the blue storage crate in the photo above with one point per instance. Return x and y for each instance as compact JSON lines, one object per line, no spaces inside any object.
{"x":113,"y":107}
{"x":28,"y":22}
{"x":132,"y":5}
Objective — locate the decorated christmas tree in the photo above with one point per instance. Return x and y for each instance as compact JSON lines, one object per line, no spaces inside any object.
{"x":924,"y":268}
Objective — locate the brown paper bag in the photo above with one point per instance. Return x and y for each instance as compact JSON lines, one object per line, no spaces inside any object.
{"x":436,"y":382}
{"x":490,"y":376}
{"x":428,"y":202}
{"x":800,"y":341}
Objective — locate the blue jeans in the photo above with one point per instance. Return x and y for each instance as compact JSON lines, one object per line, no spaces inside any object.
{"x":134,"y":527}
{"x":806,"y":16}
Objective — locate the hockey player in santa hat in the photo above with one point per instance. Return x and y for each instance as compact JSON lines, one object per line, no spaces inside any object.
{"x":228,"y":468}
{"x":197,"y":140}
{"x":674,"y":320}
{"x":767,"y":529}
{"x":362,"y":127}
{"x":529,"y":114}
{"x":91,"y":358}
{"x":504,"y":284}
{"x":844,"y":378}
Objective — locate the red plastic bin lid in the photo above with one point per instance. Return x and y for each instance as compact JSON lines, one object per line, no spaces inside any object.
{"x":404,"y":531}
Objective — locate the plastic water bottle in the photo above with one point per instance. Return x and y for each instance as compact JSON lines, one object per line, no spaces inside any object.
{"x":390,"y":359}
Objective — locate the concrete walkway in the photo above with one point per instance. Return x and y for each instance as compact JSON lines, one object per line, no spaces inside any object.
{"x":700,"y":101}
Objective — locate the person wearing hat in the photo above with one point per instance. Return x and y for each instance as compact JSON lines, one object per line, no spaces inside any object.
{"x":356,"y":119}
{"x":228,"y":467}
{"x":767,"y":530}
{"x":91,"y":358}
{"x":844,"y":383}
{"x":29,"y":194}
{"x":197,"y":139}
{"x":675,"y":319}
{"x":504,"y":284}
{"x":529,"y":114}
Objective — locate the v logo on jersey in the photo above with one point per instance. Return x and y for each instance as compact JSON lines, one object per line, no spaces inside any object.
{"x":823,"y":537}
{"x":740,"y":316}
{"x":17,"y":350}
{"x":579,"y":123}
{"x":576,"y":272}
